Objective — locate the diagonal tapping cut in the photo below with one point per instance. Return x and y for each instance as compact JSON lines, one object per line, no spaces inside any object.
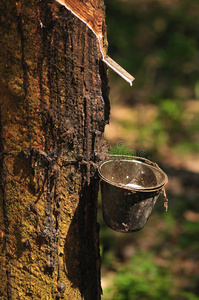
{"x":88,"y":13}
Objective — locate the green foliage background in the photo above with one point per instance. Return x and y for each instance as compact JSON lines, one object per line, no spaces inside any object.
{"x":157,"y":42}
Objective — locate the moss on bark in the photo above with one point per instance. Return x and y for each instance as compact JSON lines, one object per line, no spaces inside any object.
{"x":53,"y":108}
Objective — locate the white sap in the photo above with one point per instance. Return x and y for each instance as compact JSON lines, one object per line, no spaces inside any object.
{"x":134,"y":186}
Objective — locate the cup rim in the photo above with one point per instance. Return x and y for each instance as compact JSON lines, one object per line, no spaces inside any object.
{"x":137,"y":160}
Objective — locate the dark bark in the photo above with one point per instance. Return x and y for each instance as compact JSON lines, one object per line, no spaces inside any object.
{"x":54,"y":106}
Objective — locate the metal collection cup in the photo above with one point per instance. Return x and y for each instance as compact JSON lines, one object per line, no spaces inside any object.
{"x":130,"y":187}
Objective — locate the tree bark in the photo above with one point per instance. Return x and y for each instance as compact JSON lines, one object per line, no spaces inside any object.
{"x":53,"y":108}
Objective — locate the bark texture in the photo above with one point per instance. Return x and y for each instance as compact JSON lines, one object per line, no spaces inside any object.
{"x":53,"y":108}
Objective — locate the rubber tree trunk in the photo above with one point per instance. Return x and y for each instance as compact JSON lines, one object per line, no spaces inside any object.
{"x":53,"y":108}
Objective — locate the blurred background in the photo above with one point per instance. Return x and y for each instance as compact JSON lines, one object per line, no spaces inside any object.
{"x":157,"y":41}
